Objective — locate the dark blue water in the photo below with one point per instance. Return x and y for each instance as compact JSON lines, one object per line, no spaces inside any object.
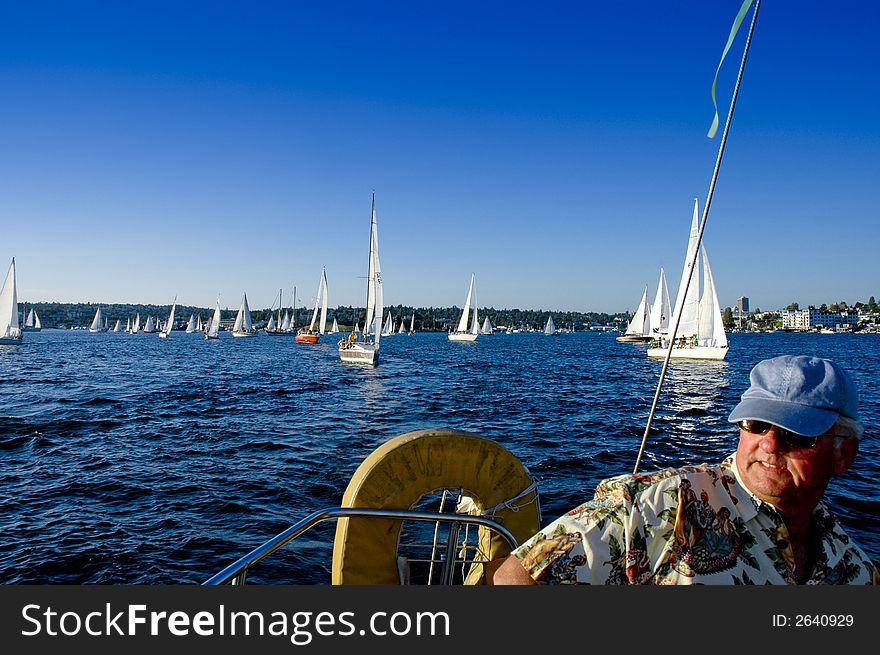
{"x":130,"y":459}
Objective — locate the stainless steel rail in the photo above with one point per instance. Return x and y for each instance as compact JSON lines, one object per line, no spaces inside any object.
{"x":236,"y":573}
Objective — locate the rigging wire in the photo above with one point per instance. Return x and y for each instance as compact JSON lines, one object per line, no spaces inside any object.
{"x":699,"y":236}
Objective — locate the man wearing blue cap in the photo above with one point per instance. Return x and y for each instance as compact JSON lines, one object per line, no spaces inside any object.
{"x":757,"y":518}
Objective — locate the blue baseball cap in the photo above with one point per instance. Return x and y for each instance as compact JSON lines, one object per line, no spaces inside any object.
{"x":802,"y":394}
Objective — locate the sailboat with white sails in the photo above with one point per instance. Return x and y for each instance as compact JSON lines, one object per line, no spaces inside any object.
{"x":32,"y":322}
{"x":117,"y":327}
{"x":365,"y":349}
{"x":169,"y":324}
{"x":462,"y":332}
{"x":388,"y":330}
{"x":550,"y":328}
{"x":487,"y":328}
{"x":700,"y":333}
{"x":661,"y":308}
{"x":98,"y":323}
{"x":10,"y":331}
{"x":244,"y":325}
{"x":639,"y":328}
{"x":312,"y":333}
{"x":212,"y":329}
{"x":412,"y":323}
{"x":191,"y":324}
{"x":150,"y":325}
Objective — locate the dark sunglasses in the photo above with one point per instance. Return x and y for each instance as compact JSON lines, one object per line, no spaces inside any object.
{"x":792,"y":439}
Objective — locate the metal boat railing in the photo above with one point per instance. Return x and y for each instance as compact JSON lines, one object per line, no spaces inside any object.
{"x":236,"y":573}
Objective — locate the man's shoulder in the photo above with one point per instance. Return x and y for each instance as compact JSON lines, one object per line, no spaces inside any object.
{"x":629,"y":486}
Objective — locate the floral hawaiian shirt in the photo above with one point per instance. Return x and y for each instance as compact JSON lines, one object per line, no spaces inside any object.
{"x":694,"y":525}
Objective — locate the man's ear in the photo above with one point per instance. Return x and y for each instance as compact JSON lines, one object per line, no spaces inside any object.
{"x":844,"y":455}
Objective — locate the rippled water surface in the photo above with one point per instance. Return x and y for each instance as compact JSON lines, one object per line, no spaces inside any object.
{"x":130,"y":459}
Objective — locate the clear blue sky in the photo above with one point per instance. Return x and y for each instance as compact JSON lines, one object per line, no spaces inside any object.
{"x":154,"y":149}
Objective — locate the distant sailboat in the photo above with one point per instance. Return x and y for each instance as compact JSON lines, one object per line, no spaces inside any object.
{"x":462,"y":333}
{"x":700,"y":333}
{"x":365,"y":349}
{"x":191,"y":324}
{"x":10,"y":332}
{"x":412,"y":324}
{"x":401,"y":329}
{"x":279,"y":327}
{"x":388,"y":330}
{"x":32,"y":323}
{"x":117,"y":328}
{"x":199,"y":325}
{"x":335,"y":328}
{"x":150,"y":325}
{"x":661,"y":309}
{"x":487,"y":328}
{"x":98,"y":323}
{"x":316,"y":329}
{"x":550,"y":328}
{"x":169,"y":324}
{"x":243,"y":326}
{"x":212,"y":330}
{"x":639,"y":328}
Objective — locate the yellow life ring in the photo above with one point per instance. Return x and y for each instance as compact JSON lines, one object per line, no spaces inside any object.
{"x":404,"y":469}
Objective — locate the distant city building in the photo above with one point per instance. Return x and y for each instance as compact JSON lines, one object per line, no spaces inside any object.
{"x":807,"y":319}
{"x":741,"y":309}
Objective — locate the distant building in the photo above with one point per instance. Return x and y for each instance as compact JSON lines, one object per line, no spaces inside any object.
{"x":807,"y":319}
{"x":741,"y":309}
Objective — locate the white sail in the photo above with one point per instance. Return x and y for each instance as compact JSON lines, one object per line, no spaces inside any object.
{"x":320,"y":302}
{"x":412,"y":323}
{"x":270,"y":326}
{"x":400,"y":329}
{"x":191,"y":324}
{"x":335,"y":327}
{"x":116,"y":328}
{"x":136,"y":326}
{"x":97,"y":322}
{"x":465,"y":312}
{"x":169,"y":324}
{"x":475,"y":321}
{"x":640,"y":324}
{"x":128,"y":324}
{"x":487,"y":327}
{"x":365,"y":351}
{"x":660,"y":309}
{"x":10,"y":332}
{"x":243,"y":322}
{"x":550,"y":328}
{"x":462,"y":331}
{"x":373,"y":322}
{"x":285,"y":322}
{"x":388,"y":329}
{"x":199,"y":326}
{"x":213,"y":331}
{"x":712,"y":326}
{"x":150,"y":325}
{"x":688,"y":303}
{"x":29,"y":322}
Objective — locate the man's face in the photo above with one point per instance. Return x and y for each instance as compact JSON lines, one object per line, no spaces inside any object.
{"x":789,"y":477}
